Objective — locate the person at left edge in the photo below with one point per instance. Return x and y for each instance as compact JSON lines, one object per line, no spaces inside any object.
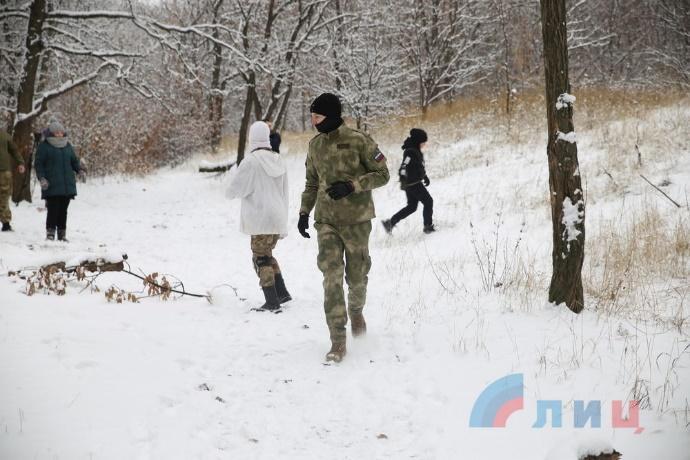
{"x":8,"y":151}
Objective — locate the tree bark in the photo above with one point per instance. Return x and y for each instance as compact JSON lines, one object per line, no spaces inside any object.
{"x":244,"y":125}
{"x":216,"y":96}
{"x":21,"y":134}
{"x":567,"y":203}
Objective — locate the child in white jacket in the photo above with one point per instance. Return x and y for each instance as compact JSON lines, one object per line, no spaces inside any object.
{"x":262,"y":184}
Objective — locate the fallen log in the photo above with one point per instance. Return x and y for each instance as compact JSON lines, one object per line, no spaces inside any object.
{"x":612,"y":456}
{"x":98,"y":265}
{"x":207,"y":167}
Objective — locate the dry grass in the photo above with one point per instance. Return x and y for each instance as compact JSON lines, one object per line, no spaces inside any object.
{"x":639,"y":266}
{"x":595,"y":109}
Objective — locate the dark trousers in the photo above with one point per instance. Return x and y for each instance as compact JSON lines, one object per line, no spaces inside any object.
{"x":57,"y":212}
{"x":415,"y":194}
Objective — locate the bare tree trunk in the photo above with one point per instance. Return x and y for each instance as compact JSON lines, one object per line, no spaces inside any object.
{"x":506,"y":53}
{"x":304,"y":110}
{"x":282,"y":113}
{"x":216,"y":97}
{"x":25,"y":99}
{"x":567,"y":204}
{"x":244,"y":125}
{"x":340,"y":35}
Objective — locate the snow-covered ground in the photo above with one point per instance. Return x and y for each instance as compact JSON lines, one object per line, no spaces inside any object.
{"x":81,"y":378}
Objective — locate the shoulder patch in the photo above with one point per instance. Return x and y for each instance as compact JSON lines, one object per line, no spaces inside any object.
{"x":378,"y":155}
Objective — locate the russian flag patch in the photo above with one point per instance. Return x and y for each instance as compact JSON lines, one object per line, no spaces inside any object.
{"x":378,"y":155}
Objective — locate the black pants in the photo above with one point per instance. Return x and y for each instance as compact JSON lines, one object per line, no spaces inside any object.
{"x":415,"y":194}
{"x":57,"y":212}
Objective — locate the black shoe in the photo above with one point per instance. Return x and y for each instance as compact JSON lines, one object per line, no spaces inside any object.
{"x":272,"y":304}
{"x":281,"y":290}
{"x":61,"y":234}
{"x":50,"y":234}
{"x":387,"y":225}
{"x":6,"y":227}
{"x":429,"y":228}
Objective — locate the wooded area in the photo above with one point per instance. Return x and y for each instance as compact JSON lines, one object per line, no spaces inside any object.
{"x":143,"y":84}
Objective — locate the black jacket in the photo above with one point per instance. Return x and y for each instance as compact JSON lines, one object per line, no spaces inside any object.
{"x":412,"y":168}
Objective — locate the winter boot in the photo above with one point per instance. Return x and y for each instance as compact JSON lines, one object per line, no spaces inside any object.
{"x":272,"y":303}
{"x":6,"y":227}
{"x":337,"y":353}
{"x":281,"y":290}
{"x":429,"y":229}
{"x":359,"y":326}
{"x":387,"y":225}
{"x":50,"y":234}
{"x":61,"y":235}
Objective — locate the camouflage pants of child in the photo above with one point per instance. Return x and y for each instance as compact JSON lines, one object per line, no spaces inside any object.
{"x":334,"y":242}
{"x":265,"y":264}
{"x":5,"y":194}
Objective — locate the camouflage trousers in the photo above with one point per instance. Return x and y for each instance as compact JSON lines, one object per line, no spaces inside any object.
{"x":5,"y":194}
{"x":265,"y":265}
{"x":352,"y":241}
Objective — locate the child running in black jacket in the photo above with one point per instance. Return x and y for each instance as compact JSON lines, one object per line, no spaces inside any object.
{"x":414,"y":181}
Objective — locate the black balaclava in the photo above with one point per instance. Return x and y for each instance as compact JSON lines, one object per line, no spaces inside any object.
{"x":328,"y":105}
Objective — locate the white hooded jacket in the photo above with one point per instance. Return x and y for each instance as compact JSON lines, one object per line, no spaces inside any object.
{"x":262,"y":184}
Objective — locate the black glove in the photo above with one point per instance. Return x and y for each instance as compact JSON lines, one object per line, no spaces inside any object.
{"x":303,"y":225}
{"x":426,"y":181}
{"x":340,"y":189}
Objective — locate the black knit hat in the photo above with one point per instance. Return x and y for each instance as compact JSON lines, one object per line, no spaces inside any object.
{"x":418,"y":136}
{"x":328,"y":105}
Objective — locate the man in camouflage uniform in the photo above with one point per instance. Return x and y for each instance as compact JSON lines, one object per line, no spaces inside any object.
{"x":343,"y":166}
{"x":7,"y":150}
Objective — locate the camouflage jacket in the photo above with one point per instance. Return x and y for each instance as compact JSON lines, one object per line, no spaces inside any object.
{"x":7,"y":150}
{"x":345,"y":154}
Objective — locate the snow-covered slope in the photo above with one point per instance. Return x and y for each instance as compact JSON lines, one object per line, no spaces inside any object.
{"x":183,"y":379}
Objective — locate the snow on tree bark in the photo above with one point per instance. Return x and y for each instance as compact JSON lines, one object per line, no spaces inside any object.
{"x":567,"y":203}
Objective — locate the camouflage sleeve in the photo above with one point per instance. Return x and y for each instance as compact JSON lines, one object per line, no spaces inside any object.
{"x":374,"y":162}
{"x":13,"y":151}
{"x":311,"y":186}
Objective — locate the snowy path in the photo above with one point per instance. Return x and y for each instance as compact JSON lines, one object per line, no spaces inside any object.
{"x":81,"y":378}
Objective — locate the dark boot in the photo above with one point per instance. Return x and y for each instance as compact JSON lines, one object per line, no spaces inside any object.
{"x":359,"y":326}
{"x":387,"y":225}
{"x":50,"y":234}
{"x":337,"y":353}
{"x":429,"y":229}
{"x":281,"y":290}
{"x":271,"y":296}
{"x":6,"y":227}
{"x":61,"y":234}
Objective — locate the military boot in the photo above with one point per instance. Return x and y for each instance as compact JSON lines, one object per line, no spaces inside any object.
{"x":272,"y":303}
{"x":337,"y":353}
{"x":387,"y":225}
{"x":359,"y":326}
{"x":281,"y":290}
{"x":50,"y":234}
{"x":6,"y":227}
{"x":62,"y":235}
